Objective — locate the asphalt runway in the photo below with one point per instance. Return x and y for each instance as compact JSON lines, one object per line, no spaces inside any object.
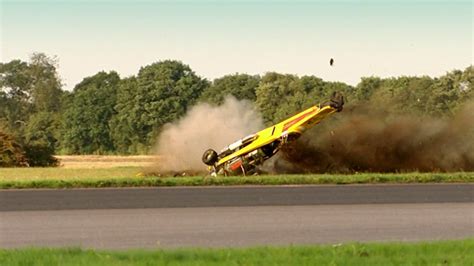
{"x":236,"y":216}
{"x":235,"y":196}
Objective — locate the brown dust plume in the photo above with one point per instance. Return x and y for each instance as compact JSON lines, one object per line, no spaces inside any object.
{"x":369,"y":140}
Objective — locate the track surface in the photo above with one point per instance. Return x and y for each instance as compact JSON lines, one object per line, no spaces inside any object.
{"x":172,"y":197}
{"x":236,"y":226}
{"x":244,"y":216}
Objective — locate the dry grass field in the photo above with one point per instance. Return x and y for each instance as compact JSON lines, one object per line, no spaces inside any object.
{"x":71,"y":174}
{"x":106,"y":161}
{"x":84,"y":167}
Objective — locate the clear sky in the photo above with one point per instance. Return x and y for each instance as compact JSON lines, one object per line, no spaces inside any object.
{"x":382,"y":38}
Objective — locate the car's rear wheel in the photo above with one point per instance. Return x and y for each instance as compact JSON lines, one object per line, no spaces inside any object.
{"x":209,"y":157}
{"x":336,"y":101}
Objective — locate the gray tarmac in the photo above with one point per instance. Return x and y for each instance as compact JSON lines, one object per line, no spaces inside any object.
{"x":234,"y":217}
{"x":234,"y":196}
{"x":236,"y":226}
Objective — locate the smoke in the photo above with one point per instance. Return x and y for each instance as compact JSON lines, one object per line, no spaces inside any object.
{"x":361,"y":139}
{"x":181,"y":144}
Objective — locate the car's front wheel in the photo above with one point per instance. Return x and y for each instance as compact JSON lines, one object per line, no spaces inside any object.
{"x":209,"y":157}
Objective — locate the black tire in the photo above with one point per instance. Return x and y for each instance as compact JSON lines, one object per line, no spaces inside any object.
{"x":209,"y":157}
{"x":337,"y":101}
{"x":269,"y":149}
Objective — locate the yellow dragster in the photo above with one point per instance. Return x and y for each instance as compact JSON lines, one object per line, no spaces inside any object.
{"x":245,"y":155}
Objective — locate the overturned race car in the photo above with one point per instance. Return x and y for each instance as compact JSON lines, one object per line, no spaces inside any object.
{"x":245,"y":155}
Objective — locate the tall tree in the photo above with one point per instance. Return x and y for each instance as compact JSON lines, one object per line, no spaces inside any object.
{"x":165,"y":91}
{"x":86,"y":120}
{"x":366,"y":87}
{"x":16,"y":87}
{"x":28,"y":88}
{"x":241,"y":86}
{"x":124,"y":128}
{"x":29,"y":103}
{"x":318,"y":91}
{"x":279,"y":96}
{"x":46,"y":84}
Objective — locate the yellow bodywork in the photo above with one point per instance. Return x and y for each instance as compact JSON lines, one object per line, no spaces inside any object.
{"x":293,"y":125}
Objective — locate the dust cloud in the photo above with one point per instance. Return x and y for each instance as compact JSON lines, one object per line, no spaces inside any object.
{"x":181,"y":144}
{"x":359,"y":139}
{"x":368,"y":140}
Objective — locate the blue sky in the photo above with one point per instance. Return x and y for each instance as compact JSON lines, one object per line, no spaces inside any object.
{"x":382,"y":38}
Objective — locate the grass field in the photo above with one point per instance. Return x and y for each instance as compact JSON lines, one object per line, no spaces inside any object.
{"x":134,"y":177}
{"x":424,"y":253}
{"x":130,"y":171}
{"x":106,"y":161}
{"x":22,"y":174}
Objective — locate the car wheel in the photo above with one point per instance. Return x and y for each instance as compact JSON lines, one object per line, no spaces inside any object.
{"x":337,"y":101}
{"x":209,"y":157}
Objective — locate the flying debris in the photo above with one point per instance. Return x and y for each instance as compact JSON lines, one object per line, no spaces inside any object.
{"x":331,"y":62}
{"x":245,"y":155}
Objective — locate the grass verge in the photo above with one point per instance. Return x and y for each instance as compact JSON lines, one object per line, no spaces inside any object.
{"x":127,"y":177}
{"x":424,"y":253}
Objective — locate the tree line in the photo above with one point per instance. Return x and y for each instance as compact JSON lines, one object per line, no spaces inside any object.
{"x":109,"y":114}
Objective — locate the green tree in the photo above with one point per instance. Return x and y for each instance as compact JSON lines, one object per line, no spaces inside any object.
{"x":31,"y":91}
{"x":443,"y":98}
{"x":466,"y":84}
{"x":30,"y":87}
{"x":279,"y":96}
{"x":46,"y":86}
{"x":319,"y":91}
{"x":124,"y":129}
{"x":3,"y":109}
{"x":43,"y":129}
{"x":86,"y":120}
{"x":15,"y":84}
{"x":366,"y":87}
{"x":241,"y":86}
{"x":41,"y":139}
{"x":165,"y":91}
{"x":404,"y":94}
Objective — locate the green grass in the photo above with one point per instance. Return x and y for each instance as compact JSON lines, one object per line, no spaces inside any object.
{"x":423,"y":253}
{"x":131,"y":177}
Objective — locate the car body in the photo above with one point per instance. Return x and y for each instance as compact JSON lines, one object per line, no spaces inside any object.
{"x":245,"y":155}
